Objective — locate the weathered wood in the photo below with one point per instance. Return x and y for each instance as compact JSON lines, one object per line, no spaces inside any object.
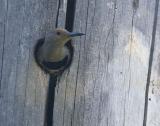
{"x":61,"y":14}
{"x":106,"y":84}
{"x":23,"y":85}
{"x":107,"y":81}
{"x":153,"y":114}
{"x":2,"y":36}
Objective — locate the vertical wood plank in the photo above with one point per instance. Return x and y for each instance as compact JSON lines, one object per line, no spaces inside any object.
{"x":61,"y":14}
{"x":107,"y":81}
{"x":153,"y":115}
{"x":2,"y":36}
{"x":116,"y":78}
{"x":23,"y":84}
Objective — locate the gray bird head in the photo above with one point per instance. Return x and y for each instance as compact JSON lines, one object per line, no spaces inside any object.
{"x":62,"y":36}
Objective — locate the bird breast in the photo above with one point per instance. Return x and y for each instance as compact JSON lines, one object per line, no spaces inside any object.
{"x":54,"y":54}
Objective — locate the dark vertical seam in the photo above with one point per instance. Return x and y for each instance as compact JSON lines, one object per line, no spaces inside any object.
{"x":150,"y":62}
{"x":70,"y":14}
{"x":4,"y":40}
{"x":57,"y":16}
{"x":49,"y":107}
{"x":2,"y":59}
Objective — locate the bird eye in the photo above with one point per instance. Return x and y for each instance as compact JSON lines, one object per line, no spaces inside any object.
{"x":58,"y":33}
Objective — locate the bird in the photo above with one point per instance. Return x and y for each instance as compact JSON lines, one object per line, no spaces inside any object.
{"x":54,"y":52}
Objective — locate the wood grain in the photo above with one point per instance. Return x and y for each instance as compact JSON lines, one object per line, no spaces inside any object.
{"x":106,"y":84}
{"x":153,"y":115}
{"x":107,"y":81}
{"x":23,"y":84}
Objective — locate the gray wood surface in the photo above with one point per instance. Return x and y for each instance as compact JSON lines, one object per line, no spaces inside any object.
{"x":106,"y":84}
{"x":153,"y":115}
{"x":107,"y":81}
{"x":22,"y":84}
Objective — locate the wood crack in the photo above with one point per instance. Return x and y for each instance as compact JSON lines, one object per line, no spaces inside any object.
{"x":59,"y":4}
{"x":4,"y":39}
{"x":70,"y":14}
{"x":150,"y":61}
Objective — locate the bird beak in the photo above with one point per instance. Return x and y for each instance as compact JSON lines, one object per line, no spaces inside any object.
{"x":74,"y":34}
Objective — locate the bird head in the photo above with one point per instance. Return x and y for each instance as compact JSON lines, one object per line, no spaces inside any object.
{"x":62,"y":36}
